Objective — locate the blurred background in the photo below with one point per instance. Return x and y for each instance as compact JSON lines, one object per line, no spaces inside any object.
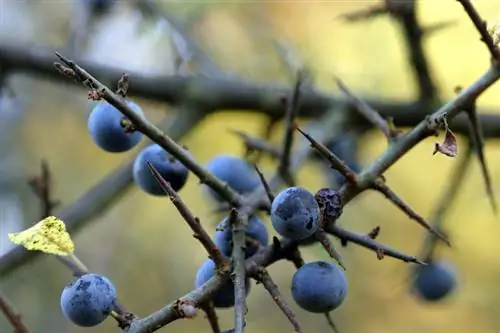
{"x":143,"y":245}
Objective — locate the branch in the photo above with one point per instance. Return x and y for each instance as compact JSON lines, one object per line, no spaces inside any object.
{"x":293,"y":107}
{"x":447,"y":199}
{"x":366,"y":241}
{"x":238,"y":223}
{"x":406,"y":14}
{"x":228,"y":95}
{"x":193,"y":222}
{"x":424,"y":129}
{"x":154,"y":133}
{"x":262,"y":275}
{"x":482,"y":28}
{"x":12,"y":316}
{"x":368,"y":112}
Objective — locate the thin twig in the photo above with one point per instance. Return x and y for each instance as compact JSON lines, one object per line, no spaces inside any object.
{"x":262,"y":275}
{"x":269,"y":193}
{"x":368,"y":112}
{"x":12,"y":315}
{"x":194,"y":223}
{"x":238,"y":223}
{"x":447,"y":198}
{"x":212,"y":318}
{"x":482,"y":28}
{"x":293,"y":107}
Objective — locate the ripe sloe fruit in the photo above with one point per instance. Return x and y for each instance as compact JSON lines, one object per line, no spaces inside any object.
{"x":345,"y":148}
{"x":172,"y":170}
{"x":104,"y":125}
{"x":224,"y":297}
{"x":434,"y":281}
{"x":256,"y":231}
{"x":236,"y":172}
{"x":88,"y":300}
{"x":319,"y":287}
{"x":295,"y":214}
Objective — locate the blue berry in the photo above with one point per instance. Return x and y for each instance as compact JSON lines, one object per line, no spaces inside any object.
{"x":224,"y":297}
{"x":295,"y":214}
{"x":88,"y":300}
{"x":434,"y":281}
{"x":236,"y":172}
{"x":256,"y":232}
{"x":106,"y":130}
{"x":319,"y":287}
{"x":311,"y":240}
{"x":170,"y":168}
{"x":344,"y":147}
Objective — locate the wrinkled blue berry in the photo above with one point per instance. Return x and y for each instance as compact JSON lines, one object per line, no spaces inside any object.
{"x":224,"y":297}
{"x":330,"y":203}
{"x":295,"y":214}
{"x":106,"y":130}
{"x":89,"y":300}
{"x":172,"y":170}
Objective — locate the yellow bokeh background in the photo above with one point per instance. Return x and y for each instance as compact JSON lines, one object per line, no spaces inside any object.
{"x":145,"y":248}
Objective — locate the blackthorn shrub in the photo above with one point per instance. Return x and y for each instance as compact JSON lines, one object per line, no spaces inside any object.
{"x":236,"y":172}
{"x":295,"y":214}
{"x":107,"y":131}
{"x":319,"y":287}
{"x":169,"y":167}
{"x":256,"y":234}
{"x":89,"y":300}
{"x":224,"y":297}
{"x":434,"y":281}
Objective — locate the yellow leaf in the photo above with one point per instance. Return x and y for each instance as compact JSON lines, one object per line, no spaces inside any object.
{"x":48,"y":236}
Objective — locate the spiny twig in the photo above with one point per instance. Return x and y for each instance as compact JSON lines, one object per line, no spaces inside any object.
{"x":11,"y":314}
{"x":335,"y":161}
{"x":262,"y":276}
{"x":211,"y":315}
{"x":238,"y":223}
{"x":155,"y":134}
{"x":256,"y":144}
{"x":482,"y":28}
{"x":293,"y":107}
{"x":446,"y":200}
{"x":476,"y":138}
{"x":194,"y":223}
{"x":381,"y":187}
{"x":368,"y":112}
{"x":263,"y":180}
{"x":42,"y":187}
{"x":365,"y":241}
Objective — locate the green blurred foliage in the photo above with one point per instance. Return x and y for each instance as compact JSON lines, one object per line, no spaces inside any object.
{"x":144,"y":246}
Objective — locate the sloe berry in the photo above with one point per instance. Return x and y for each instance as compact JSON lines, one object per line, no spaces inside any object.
{"x":434,"y":281}
{"x":319,"y":287}
{"x":224,"y":297}
{"x":172,"y":170}
{"x":236,"y":172}
{"x":295,"y":214}
{"x":88,"y":300}
{"x":256,"y":232}
{"x":106,"y":130}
